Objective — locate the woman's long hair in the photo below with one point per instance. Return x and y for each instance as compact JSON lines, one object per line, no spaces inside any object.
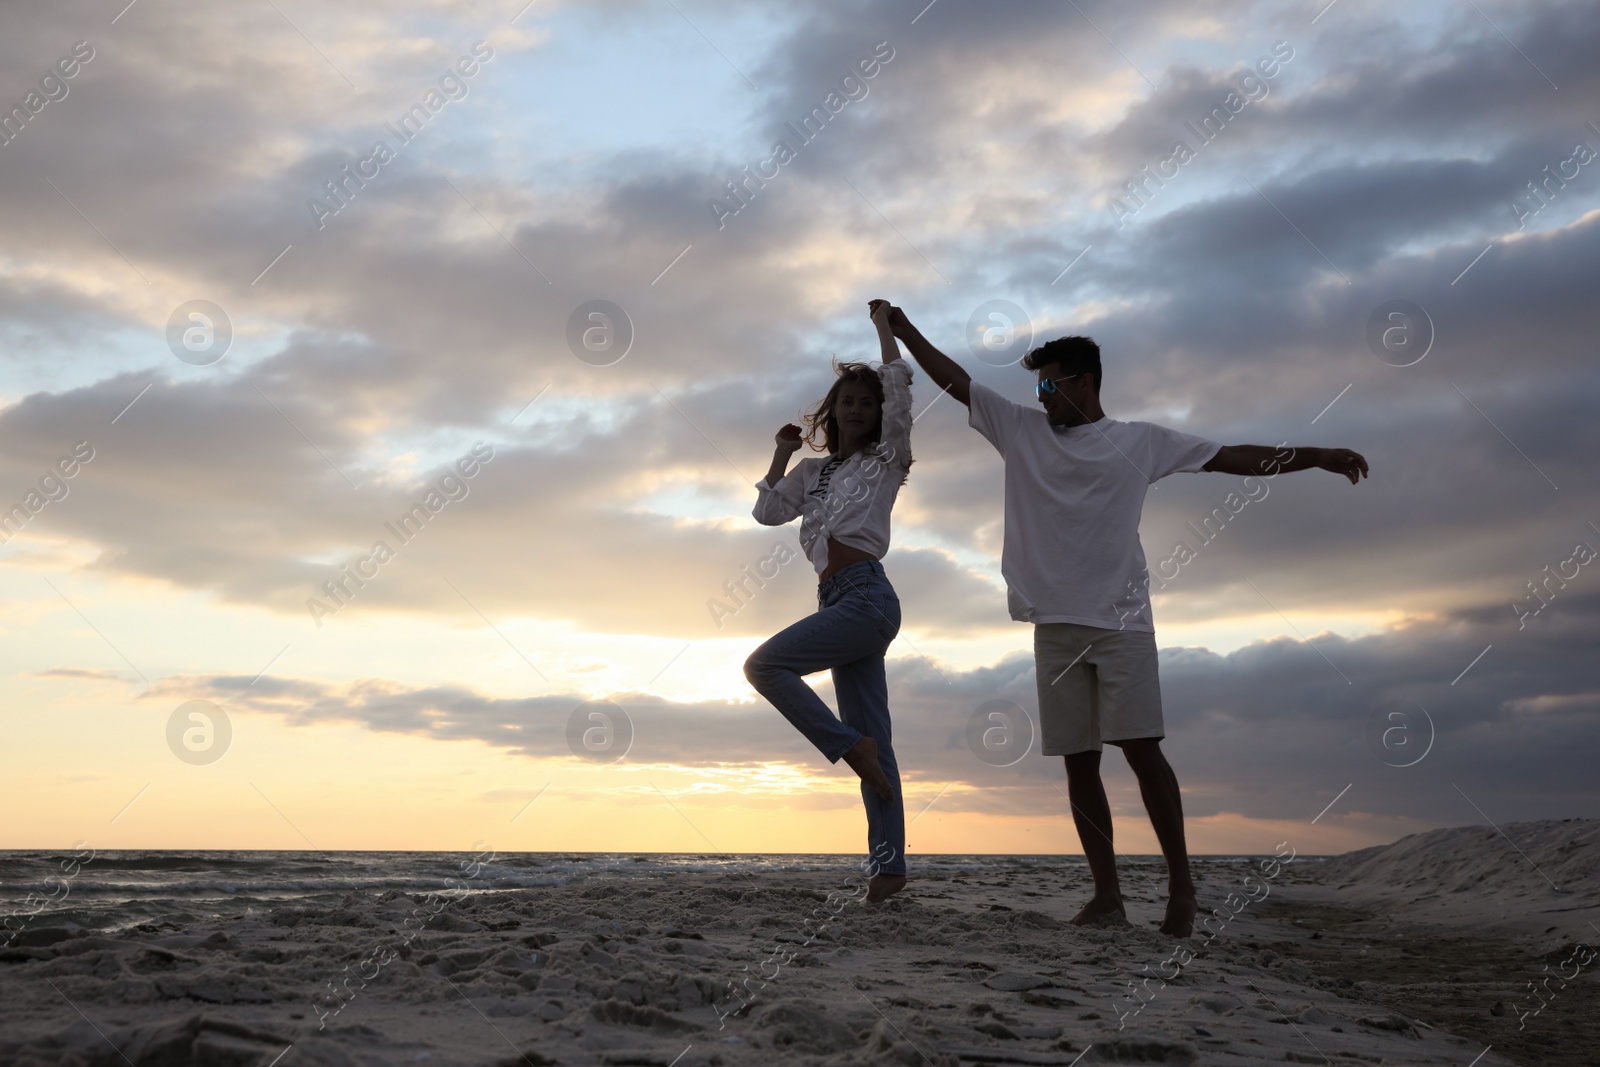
{"x":820,"y":418}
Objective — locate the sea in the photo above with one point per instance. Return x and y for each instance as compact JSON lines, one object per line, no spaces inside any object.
{"x":114,"y":890}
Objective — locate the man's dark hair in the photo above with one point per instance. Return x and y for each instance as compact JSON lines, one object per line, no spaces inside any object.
{"x":1074,"y":355}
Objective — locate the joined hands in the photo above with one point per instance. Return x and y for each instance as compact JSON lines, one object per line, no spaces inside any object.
{"x":886,"y":316}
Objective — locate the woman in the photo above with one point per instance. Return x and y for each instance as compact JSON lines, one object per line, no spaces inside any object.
{"x":845,"y":501}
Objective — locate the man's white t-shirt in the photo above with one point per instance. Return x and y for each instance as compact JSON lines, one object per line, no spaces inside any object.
{"x":1074,"y":496}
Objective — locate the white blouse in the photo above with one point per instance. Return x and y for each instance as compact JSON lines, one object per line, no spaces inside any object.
{"x":861,"y":491}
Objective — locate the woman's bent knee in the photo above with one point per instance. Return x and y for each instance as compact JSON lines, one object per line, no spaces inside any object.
{"x":756,"y":669}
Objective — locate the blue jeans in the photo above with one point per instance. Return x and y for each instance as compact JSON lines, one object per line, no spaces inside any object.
{"x":858,"y":615}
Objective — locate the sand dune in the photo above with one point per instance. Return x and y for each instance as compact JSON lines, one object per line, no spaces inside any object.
{"x":1534,"y":878}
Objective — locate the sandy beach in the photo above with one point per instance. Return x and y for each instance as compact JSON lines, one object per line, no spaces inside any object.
{"x":1421,"y":952}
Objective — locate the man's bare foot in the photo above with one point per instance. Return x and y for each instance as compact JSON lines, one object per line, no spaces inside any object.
{"x":1181,"y":910}
{"x":863,"y":759}
{"x":883,"y":886}
{"x":1101,"y":910}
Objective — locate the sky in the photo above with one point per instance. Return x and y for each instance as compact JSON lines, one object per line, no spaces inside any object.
{"x":272,"y":275}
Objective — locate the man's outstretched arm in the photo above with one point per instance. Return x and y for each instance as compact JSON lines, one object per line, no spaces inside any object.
{"x":1268,"y":461}
{"x":945,"y":372}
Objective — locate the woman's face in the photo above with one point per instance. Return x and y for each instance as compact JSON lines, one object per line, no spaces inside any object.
{"x":855,"y":409}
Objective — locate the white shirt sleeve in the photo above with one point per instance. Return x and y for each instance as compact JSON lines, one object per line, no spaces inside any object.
{"x":993,"y":416}
{"x":895,"y":436}
{"x":1172,"y":452}
{"x":778,"y":505}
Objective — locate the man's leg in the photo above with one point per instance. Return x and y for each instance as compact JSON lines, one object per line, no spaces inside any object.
{"x":1130,"y":693}
{"x":1069,"y":725}
{"x":1091,"y":813}
{"x":1158,"y":785}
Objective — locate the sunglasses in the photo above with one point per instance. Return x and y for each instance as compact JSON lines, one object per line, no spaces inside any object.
{"x":1047,"y":386}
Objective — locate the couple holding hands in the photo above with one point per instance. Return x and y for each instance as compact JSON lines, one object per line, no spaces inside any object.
{"x":1075,"y":483}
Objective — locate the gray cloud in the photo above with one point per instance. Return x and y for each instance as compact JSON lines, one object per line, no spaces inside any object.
{"x":1271,"y":731}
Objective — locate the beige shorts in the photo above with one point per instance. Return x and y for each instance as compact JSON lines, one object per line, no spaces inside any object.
{"x":1095,"y":685}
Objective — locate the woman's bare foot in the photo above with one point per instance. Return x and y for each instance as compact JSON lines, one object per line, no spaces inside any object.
{"x":863,"y":759}
{"x":1101,"y":910}
{"x":1181,"y":910}
{"x":883,"y":886}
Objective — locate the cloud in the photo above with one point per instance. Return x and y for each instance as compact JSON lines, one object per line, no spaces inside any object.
{"x":1272,"y":731}
{"x":428,"y":312}
{"x":88,"y":675}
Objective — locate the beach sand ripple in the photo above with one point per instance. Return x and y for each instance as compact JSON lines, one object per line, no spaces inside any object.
{"x":751,"y":967}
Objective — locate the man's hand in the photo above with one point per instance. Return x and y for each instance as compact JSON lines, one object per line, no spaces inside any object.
{"x":898,"y":321}
{"x":1342,"y":461}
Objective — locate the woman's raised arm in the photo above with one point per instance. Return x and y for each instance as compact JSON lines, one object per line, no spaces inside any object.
{"x":774,"y":505}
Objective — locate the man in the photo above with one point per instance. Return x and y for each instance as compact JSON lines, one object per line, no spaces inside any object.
{"x":1075,"y":482}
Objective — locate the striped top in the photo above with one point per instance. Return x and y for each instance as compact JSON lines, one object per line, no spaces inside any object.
{"x":828,"y":468}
